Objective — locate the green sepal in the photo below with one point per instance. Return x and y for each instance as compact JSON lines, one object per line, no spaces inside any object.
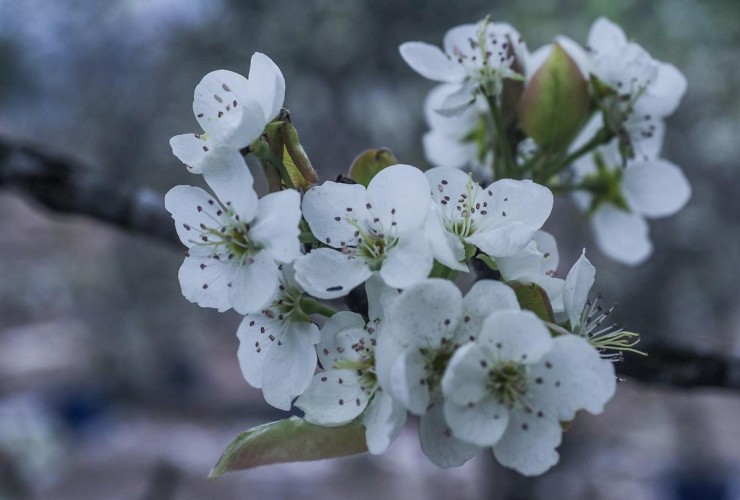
{"x":555,"y":103}
{"x":489,"y":261}
{"x":296,"y":155}
{"x":369,"y":163}
{"x":291,"y":440}
{"x":533,"y":297}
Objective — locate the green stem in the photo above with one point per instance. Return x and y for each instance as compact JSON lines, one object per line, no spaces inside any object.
{"x":310,"y":305}
{"x":601,"y":137}
{"x":504,"y":148}
{"x":261,"y":150}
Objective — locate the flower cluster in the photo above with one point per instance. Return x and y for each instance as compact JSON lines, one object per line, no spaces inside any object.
{"x":501,"y":366}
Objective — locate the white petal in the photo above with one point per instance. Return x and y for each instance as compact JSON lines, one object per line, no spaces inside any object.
{"x":578,"y":283}
{"x":481,"y":423}
{"x":229,"y":177}
{"x":466,"y":378}
{"x":329,"y":274}
{"x":441,"y":150}
{"x":226,"y":123}
{"x":408,"y":382}
{"x":276,"y":227}
{"x":332,"y":348}
{"x":516,"y":335}
{"x":446,"y":247}
{"x":289,"y":364}
{"x":663,"y":95}
{"x":502,"y":241}
{"x":454,"y":127}
{"x":330,"y":209}
{"x":204,"y":280}
{"x":529,"y":443}
{"x":547,"y":244}
{"x":457,"y":39}
{"x":399,"y":196}
{"x":450,"y":182}
{"x":383,"y":421}
{"x":621,"y":235}
{"x":430,"y":62}
{"x":253,"y":284}
{"x":512,"y":201}
{"x":459,"y":101}
{"x":192,"y":150}
{"x":379,"y":298}
{"x":409,"y":262}
{"x":605,"y":36}
{"x":426,"y":313}
{"x":485,"y":297}
{"x":256,"y":334}
{"x":655,"y":189}
{"x":193,"y":208}
{"x":334,"y":398}
{"x":525,"y":262}
{"x":572,"y":377}
{"x":438,"y":442}
{"x":266,"y":84}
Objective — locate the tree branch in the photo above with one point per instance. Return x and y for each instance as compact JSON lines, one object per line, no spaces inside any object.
{"x":68,"y":187}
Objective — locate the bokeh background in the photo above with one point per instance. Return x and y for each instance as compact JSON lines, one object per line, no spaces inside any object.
{"x":113,"y":386}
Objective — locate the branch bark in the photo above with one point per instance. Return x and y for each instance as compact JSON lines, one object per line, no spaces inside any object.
{"x":66,"y":186}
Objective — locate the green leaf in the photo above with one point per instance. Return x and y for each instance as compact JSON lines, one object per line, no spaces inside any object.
{"x":369,"y":163}
{"x":556,"y":102}
{"x":533,"y":297}
{"x":291,"y":440}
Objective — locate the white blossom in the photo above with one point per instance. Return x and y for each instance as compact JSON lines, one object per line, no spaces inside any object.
{"x":500,"y":220}
{"x":512,"y":386}
{"x":232,"y":111}
{"x":476,"y":56}
{"x":235,"y":244}
{"x":378,"y":229}
{"x":619,"y":199}
{"x":348,"y":386}
{"x":276,"y":345}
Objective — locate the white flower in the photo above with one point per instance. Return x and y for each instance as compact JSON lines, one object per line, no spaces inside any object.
{"x":619,"y":199}
{"x":426,"y":323}
{"x":377,"y":229}
{"x":456,"y":141}
{"x":646,"y":90}
{"x":232,"y":110}
{"x":587,"y":319}
{"x":511,"y":388}
{"x":276,"y":346}
{"x":349,"y":386}
{"x":235,"y":244}
{"x":500,"y":220}
{"x":475,"y":56}
{"x":536,"y":263}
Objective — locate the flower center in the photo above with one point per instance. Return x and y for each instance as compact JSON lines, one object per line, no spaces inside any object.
{"x":507,"y":381}
{"x":605,"y":185}
{"x":372,"y":246}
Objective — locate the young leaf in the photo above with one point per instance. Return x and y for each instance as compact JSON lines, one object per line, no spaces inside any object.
{"x":291,"y":440}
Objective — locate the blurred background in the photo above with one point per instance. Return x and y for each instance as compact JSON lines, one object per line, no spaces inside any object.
{"x":112,"y":385}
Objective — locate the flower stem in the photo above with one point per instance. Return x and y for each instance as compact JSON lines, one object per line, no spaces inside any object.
{"x":503,"y":151}
{"x":310,"y":305}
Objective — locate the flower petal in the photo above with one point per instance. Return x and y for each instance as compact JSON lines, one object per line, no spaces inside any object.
{"x":204,"y":280}
{"x":481,"y":423}
{"x":193,"y":150}
{"x":193,"y":208}
{"x":572,"y":376}
{"x":441,"y":150}
{"x":330,"y":210}
{"x":334,"y":398}
{"x":256,"y":334}
{"x":446,"y":247}
{"x":605,"y":36}
{"x":438,"y":442}
{"x":655,"y":189}
{"x":409,"y":262}
{"x":454,"y":127}
{"x":529,"y":443}
{"x":266,"y":84}
{"x":329,"y":274}
{"x":383,"y":420}
{"x":379,"y":298}
{"x":511,"y":201}
{"x":662,"y":96}
{"x":337,"y":335}
{"x":459,"y":101}
{"x":289,"y":364}
{"x":229,"y":177}
{"x":621,"y":235}
{"x":502,"y":241}
{"x":516,"y":335}
{"x":578,"y":283}
{"x":430,"y":62}
{"x":465,"y":380}
{"x":399,"y":197}
{"x":484,"y":298}
{"x":426,"y":313}
{"x":253,"y":284}
{"x":276,"y":226}
{"x":408,"y":382}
